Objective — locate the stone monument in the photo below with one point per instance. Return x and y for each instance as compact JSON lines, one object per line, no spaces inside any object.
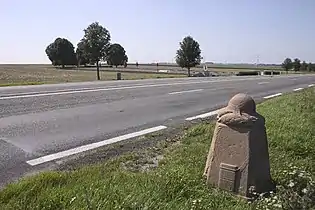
{"x":238,"y":159}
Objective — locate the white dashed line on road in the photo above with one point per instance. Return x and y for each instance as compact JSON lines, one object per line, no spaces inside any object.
{"x":297,"y":89}
{"x":209,"y":114}
{"x":272,"y":96}
{"x":186,"y":91}
{"x":95,"y":145}
{"x":261,"y":83}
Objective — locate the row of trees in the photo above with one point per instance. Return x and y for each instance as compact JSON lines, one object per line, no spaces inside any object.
{"x":94,"y":47}
{"x":296,"y":65}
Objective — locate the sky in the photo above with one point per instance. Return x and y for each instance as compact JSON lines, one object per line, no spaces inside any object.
{"x":228,"y":31}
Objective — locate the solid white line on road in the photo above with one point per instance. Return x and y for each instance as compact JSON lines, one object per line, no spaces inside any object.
{"x":26,"y":95}
{"x":261,"y":83}
{"x":185,"y":91}
{"x":209,"y":114}
{"x":95,"y":145}
{"x":297,"y":89}
{"x":311,"y":85}
{"x":272,"y":96}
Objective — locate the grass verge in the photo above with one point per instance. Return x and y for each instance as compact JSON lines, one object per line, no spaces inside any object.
{"x":169,"y":175}
{"x":11,"y":75}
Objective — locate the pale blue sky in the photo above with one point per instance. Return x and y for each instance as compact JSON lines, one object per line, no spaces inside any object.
{"x":150,"y":31}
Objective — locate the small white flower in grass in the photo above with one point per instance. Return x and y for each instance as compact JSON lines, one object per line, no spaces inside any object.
{"x":73,"y":199}
{"x":277,"y":205}
{"x":304,"y":190}
{"x":293,"y":172}
{"x":291,"y":184}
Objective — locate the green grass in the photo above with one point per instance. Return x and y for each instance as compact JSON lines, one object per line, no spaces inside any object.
{"x":177,"y":182}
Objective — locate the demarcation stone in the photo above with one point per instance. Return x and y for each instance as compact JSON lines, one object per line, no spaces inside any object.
{"x":238,"y":159}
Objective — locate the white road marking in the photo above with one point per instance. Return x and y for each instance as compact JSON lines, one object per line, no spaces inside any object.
{"x":311,"y":85}
{"x":261,"y":83}
{"x":95,"y":145}
{"x":209,"y":114}
{"x":27,"y":95}
{"x":297,"y":89}
{"x":185,"y":91}
{"x":272,"y":96}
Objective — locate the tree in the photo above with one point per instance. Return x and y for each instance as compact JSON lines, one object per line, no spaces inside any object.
{"x":296,"y":64}
{"x":61,"y":52}
{"x":189,"y":53}
{"x":96,"y":43}
{"x":287,"y":64}
{"x":82,"y":56}
{"x":116,"y":55}
{"x":303,"y":66}
{"x":311,"y":67}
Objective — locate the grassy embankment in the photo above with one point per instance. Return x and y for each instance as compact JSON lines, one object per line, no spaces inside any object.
{"x":11,"y":75}
{"x":177,"y":182}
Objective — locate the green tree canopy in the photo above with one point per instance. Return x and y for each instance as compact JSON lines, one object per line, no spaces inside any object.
{"x":82,"y":56}
{"x":61,"y":53}
{"x":96,"y":43}
{"x":296,"y":64}
{"x":189,"y":54}
{"x":287,"y":64}
{"x":303,"y":66}
{"x":311,"y":67}
{"x":116,"y":55}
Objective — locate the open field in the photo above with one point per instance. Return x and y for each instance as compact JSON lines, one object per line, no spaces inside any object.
{"x":28,"y":74}
{"x":40,"y":74}
{"x":216,"y":67}
{"x":169,"y":174}
{"x":31,"y":74}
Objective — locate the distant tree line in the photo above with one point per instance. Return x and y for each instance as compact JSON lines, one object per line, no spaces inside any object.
{"x":296,"y":65}
{"x":94,"y":47}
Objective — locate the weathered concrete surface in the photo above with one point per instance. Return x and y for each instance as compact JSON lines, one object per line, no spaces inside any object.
{"x":238,"y":158}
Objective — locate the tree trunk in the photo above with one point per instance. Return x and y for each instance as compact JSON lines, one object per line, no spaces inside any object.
{"x":98,"y":71}
{"x":188,"y":71}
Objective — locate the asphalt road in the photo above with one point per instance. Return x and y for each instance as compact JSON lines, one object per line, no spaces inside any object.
{"x":40,"y":120}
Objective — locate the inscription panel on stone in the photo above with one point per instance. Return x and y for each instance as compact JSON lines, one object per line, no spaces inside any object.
{"x":227,"y":177}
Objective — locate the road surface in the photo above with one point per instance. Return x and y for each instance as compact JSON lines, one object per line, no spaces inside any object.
{"x":36,"y":121}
